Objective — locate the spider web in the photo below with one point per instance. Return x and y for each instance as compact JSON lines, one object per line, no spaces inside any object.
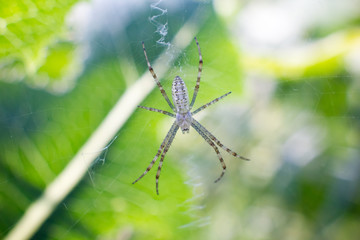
{"x":294,"y":114}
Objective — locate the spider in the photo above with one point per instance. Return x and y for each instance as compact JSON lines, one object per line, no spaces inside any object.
{"x":184,"y":118}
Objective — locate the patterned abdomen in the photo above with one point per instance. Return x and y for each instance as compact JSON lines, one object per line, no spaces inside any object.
{"x":180,"y":95}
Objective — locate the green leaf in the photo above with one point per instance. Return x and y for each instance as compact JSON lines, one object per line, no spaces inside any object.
{"x":33,"y":35}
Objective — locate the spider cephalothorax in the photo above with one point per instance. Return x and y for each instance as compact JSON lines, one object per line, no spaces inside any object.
{"x":183,"y":118}
{"x":184,"y":121}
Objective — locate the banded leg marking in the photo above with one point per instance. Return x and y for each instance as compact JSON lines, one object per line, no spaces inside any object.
{"x":213,"y":138}
{"x":196,"y":89}
{"x":157,"y":80}
{"x":210,"y":103}
{"x":207,"y":139}
{"x":163,"y":144}
{"x":163,"y":156}
{"x":158,"y":110}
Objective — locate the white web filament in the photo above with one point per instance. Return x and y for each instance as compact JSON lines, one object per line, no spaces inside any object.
{"x":161,"y":28}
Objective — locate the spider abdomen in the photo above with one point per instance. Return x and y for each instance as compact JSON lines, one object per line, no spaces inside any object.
{"x":180,"y":95}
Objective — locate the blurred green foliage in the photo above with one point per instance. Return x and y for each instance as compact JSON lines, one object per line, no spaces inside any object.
{"x":34,"y":39}
{"x":302,"y":138}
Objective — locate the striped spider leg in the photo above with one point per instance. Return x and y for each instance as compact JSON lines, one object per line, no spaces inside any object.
{"x":184,"y":119}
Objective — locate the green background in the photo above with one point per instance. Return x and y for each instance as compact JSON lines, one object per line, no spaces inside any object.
{"x":298,"y":125}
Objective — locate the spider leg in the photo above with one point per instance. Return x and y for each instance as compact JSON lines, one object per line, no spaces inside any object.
{"x":157,"y":80}
{"x":210,"y":103}
{"x":158,"y":110}
{"x":198,"y":77}
{"x":213,"y":138}
{"x":163,"y":144}
{"x":163,"y":156}
{"x":207,"y":139}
